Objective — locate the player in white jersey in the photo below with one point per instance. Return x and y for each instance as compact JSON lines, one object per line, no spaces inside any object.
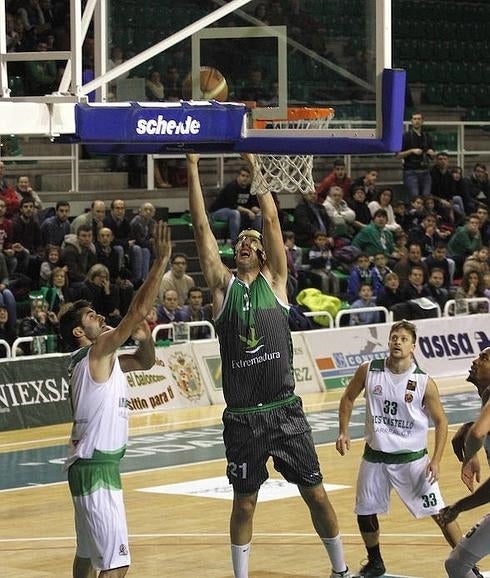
{"x":476,"y":544}
{"x":98,"y":391}
{"x":400,"y":399}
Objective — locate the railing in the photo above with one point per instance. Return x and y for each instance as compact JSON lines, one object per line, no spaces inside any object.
{"x":326,"y":314}
{"x":357,"y":310}
{"x":180,"y":331}
{"x":51,"y":343}
{"x":463,"y":306}
{"x":7,"y":347}
{"x":462,"y":152}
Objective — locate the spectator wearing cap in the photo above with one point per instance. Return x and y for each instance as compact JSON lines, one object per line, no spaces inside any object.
{"x":357,"y":202}
{"x":337,"y":177}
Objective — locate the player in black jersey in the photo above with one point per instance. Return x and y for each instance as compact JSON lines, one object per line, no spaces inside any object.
{"x":263,"y":418}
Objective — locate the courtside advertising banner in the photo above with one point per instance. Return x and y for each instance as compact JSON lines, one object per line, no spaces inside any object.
{"x":173,"y":382}
{"x":445,"y":346}
{"x":307,"y":376}
{"x":34,"y":391}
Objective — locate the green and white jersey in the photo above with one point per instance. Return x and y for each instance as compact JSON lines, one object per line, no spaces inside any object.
{"x":255,"y":345}
{"x":100,"y":410}
{"x":396,"y":420}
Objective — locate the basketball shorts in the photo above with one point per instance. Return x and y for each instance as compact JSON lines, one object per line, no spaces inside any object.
{"x":282,"y":433}
{"x":100,"y":518}
{"x":376,"y":480}
{"x":477,"y":540}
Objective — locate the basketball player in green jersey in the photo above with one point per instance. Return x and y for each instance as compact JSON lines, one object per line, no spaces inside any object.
{"x":263,"y":417}
{"x":400,"y":398}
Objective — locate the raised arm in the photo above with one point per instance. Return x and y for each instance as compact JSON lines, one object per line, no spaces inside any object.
{"x":276,"y":262}
{"x":351,"y":393}
{"x":216,"y":274}
{"x":142,"y":302}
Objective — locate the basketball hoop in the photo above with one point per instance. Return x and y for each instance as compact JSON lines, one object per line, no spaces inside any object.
{"x":289,"y":173}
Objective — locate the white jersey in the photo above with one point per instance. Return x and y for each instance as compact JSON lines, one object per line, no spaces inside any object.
{"x":396,"y":420}
{"x":100,"y":410}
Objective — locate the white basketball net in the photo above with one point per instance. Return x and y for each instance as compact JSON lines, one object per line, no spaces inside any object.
{"x":287,"y":173}
{"x":292,"y":174}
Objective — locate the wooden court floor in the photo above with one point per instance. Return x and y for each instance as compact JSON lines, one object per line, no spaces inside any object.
{"x":185,"y":536}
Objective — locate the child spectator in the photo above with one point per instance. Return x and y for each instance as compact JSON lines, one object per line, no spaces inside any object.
{"x":478,"y":261}
{"x":401,"y":215}
{"x":379,"y":270}
{"x":52,"y":260}
{"x":362,"y":274}
{"x":320,"y":262}
{"x":416,"y":211}
{"x":365,"y":299}
{"x":391,"y":294}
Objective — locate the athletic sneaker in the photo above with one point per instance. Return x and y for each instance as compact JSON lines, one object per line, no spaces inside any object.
{"x":477,"y":572}
{"x":345,"y":574}
{"x":373,"y":569}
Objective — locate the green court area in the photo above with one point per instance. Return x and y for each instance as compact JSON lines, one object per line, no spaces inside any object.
{"x":145,"y":452}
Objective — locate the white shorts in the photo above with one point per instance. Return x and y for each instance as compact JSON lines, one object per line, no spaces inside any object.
{"x":477,"y":540}
{"x":102,"y":533}
{"x":376,"y":480}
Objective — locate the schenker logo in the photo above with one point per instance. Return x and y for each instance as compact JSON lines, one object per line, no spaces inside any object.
{"x":160,"y":125}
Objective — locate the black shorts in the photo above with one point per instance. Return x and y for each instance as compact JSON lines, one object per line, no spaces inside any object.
{"x":282,"y":433}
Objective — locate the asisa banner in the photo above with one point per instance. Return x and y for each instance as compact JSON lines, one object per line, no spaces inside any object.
{"x":445,"y":346}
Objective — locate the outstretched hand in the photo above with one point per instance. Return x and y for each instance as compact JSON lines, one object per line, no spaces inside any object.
{"x":162,"y":243}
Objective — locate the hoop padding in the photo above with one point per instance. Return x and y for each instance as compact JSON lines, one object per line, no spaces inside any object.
{"x":289,"y":173}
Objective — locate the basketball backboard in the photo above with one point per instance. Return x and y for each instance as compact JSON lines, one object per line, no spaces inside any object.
{"x":279,"y":55}
{"x":275,"y":56}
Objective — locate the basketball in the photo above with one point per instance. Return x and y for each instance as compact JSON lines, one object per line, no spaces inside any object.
{"x":213,"y":85}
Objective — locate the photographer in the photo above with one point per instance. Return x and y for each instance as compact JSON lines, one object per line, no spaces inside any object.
{"x":417,"y":153}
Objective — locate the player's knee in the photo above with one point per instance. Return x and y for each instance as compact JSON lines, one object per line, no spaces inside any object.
{"x":368,"y":523}
{"x":244,"y":505}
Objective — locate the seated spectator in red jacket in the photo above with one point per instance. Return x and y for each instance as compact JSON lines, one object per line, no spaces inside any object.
{"x":8,"y":195}
{"x":337,"y":177}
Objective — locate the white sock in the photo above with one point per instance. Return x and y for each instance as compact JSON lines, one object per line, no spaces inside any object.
{"x":335,"y":552}
{"x":239,"y":556}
